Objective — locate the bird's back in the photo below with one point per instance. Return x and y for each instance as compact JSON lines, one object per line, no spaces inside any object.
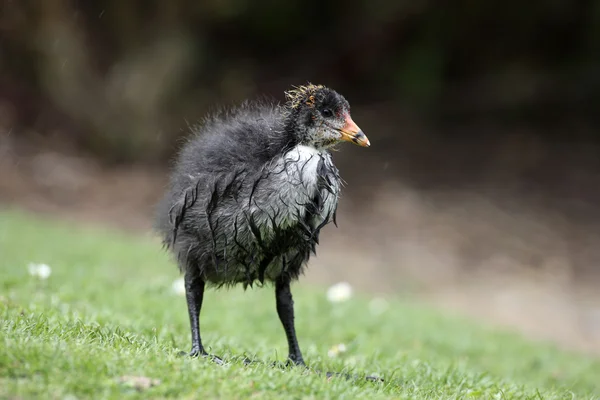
{"x":248,"y":135}
{"x":245,"y":199}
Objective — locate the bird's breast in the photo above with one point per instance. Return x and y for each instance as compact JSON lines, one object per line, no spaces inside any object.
{"x":301,"y":165}
{"x":298,"y":176}
{"x":298,"y":188}
{"x":276,"y":217}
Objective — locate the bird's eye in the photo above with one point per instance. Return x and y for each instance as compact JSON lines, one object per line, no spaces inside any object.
{"x":327,"y":113}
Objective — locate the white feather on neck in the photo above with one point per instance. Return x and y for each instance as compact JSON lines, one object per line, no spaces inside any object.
{"x":307,"y":159}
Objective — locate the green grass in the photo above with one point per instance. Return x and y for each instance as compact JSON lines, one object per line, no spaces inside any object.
{"x":108,"y":311}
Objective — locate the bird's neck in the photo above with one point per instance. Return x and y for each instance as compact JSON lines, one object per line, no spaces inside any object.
{"x":293,"y":125}
{"x":298,"y":132}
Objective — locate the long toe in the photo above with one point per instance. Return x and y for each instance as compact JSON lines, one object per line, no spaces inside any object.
{"x":215,"y":359}
{"x":330,"y":375}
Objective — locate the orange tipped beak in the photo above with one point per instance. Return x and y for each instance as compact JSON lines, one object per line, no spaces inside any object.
{"x":352,"y":133}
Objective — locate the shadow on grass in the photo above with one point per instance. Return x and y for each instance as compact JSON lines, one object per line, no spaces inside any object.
{"x":285,"y":366}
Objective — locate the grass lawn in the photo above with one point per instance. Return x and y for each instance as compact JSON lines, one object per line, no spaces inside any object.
{"x":108,"y":312}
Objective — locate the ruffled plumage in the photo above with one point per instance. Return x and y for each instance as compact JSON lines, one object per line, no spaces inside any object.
{"x":247,"y":201}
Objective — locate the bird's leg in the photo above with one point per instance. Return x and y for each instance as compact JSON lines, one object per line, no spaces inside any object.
{"x":285,"y":310}
{"x":194,"y":294}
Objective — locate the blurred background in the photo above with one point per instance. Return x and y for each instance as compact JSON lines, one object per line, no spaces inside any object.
{"x":479,"y":193}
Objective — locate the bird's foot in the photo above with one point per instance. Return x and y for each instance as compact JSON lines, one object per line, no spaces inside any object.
{"x":289,"y":363}
{"x":195,"y":352}
{"x":295,"y":361}
{"x":292,"y":363}
{"x":200,"y":352}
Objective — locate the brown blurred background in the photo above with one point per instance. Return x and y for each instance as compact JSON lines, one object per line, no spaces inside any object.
{"x":481,"y":187}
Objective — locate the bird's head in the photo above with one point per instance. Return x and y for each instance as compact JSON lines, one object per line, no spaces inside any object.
{"x":320,"y":117}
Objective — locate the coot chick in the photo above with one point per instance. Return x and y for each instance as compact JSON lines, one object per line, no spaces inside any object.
{"x":249,"y":194}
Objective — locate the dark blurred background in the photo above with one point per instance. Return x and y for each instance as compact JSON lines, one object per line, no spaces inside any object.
{"x":479,"y":192}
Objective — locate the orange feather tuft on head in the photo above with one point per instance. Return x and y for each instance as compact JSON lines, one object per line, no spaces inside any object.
{"x":302,"y":94}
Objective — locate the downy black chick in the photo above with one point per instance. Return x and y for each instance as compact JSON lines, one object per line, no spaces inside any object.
{"x":250,"y":192}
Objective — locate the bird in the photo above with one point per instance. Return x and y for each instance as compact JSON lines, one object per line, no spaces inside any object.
{"x":249,"y":192}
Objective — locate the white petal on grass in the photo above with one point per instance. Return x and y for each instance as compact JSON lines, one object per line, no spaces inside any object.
{"x":336,"y":350}
{"x":178,"y":287}
{"x":339,"y":292}
{"x":378,"y":306}
{"x":41,"y":271}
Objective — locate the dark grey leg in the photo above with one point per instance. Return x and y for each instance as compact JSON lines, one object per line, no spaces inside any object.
{"x":194,"y":293}
{"x":285,"y":310}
